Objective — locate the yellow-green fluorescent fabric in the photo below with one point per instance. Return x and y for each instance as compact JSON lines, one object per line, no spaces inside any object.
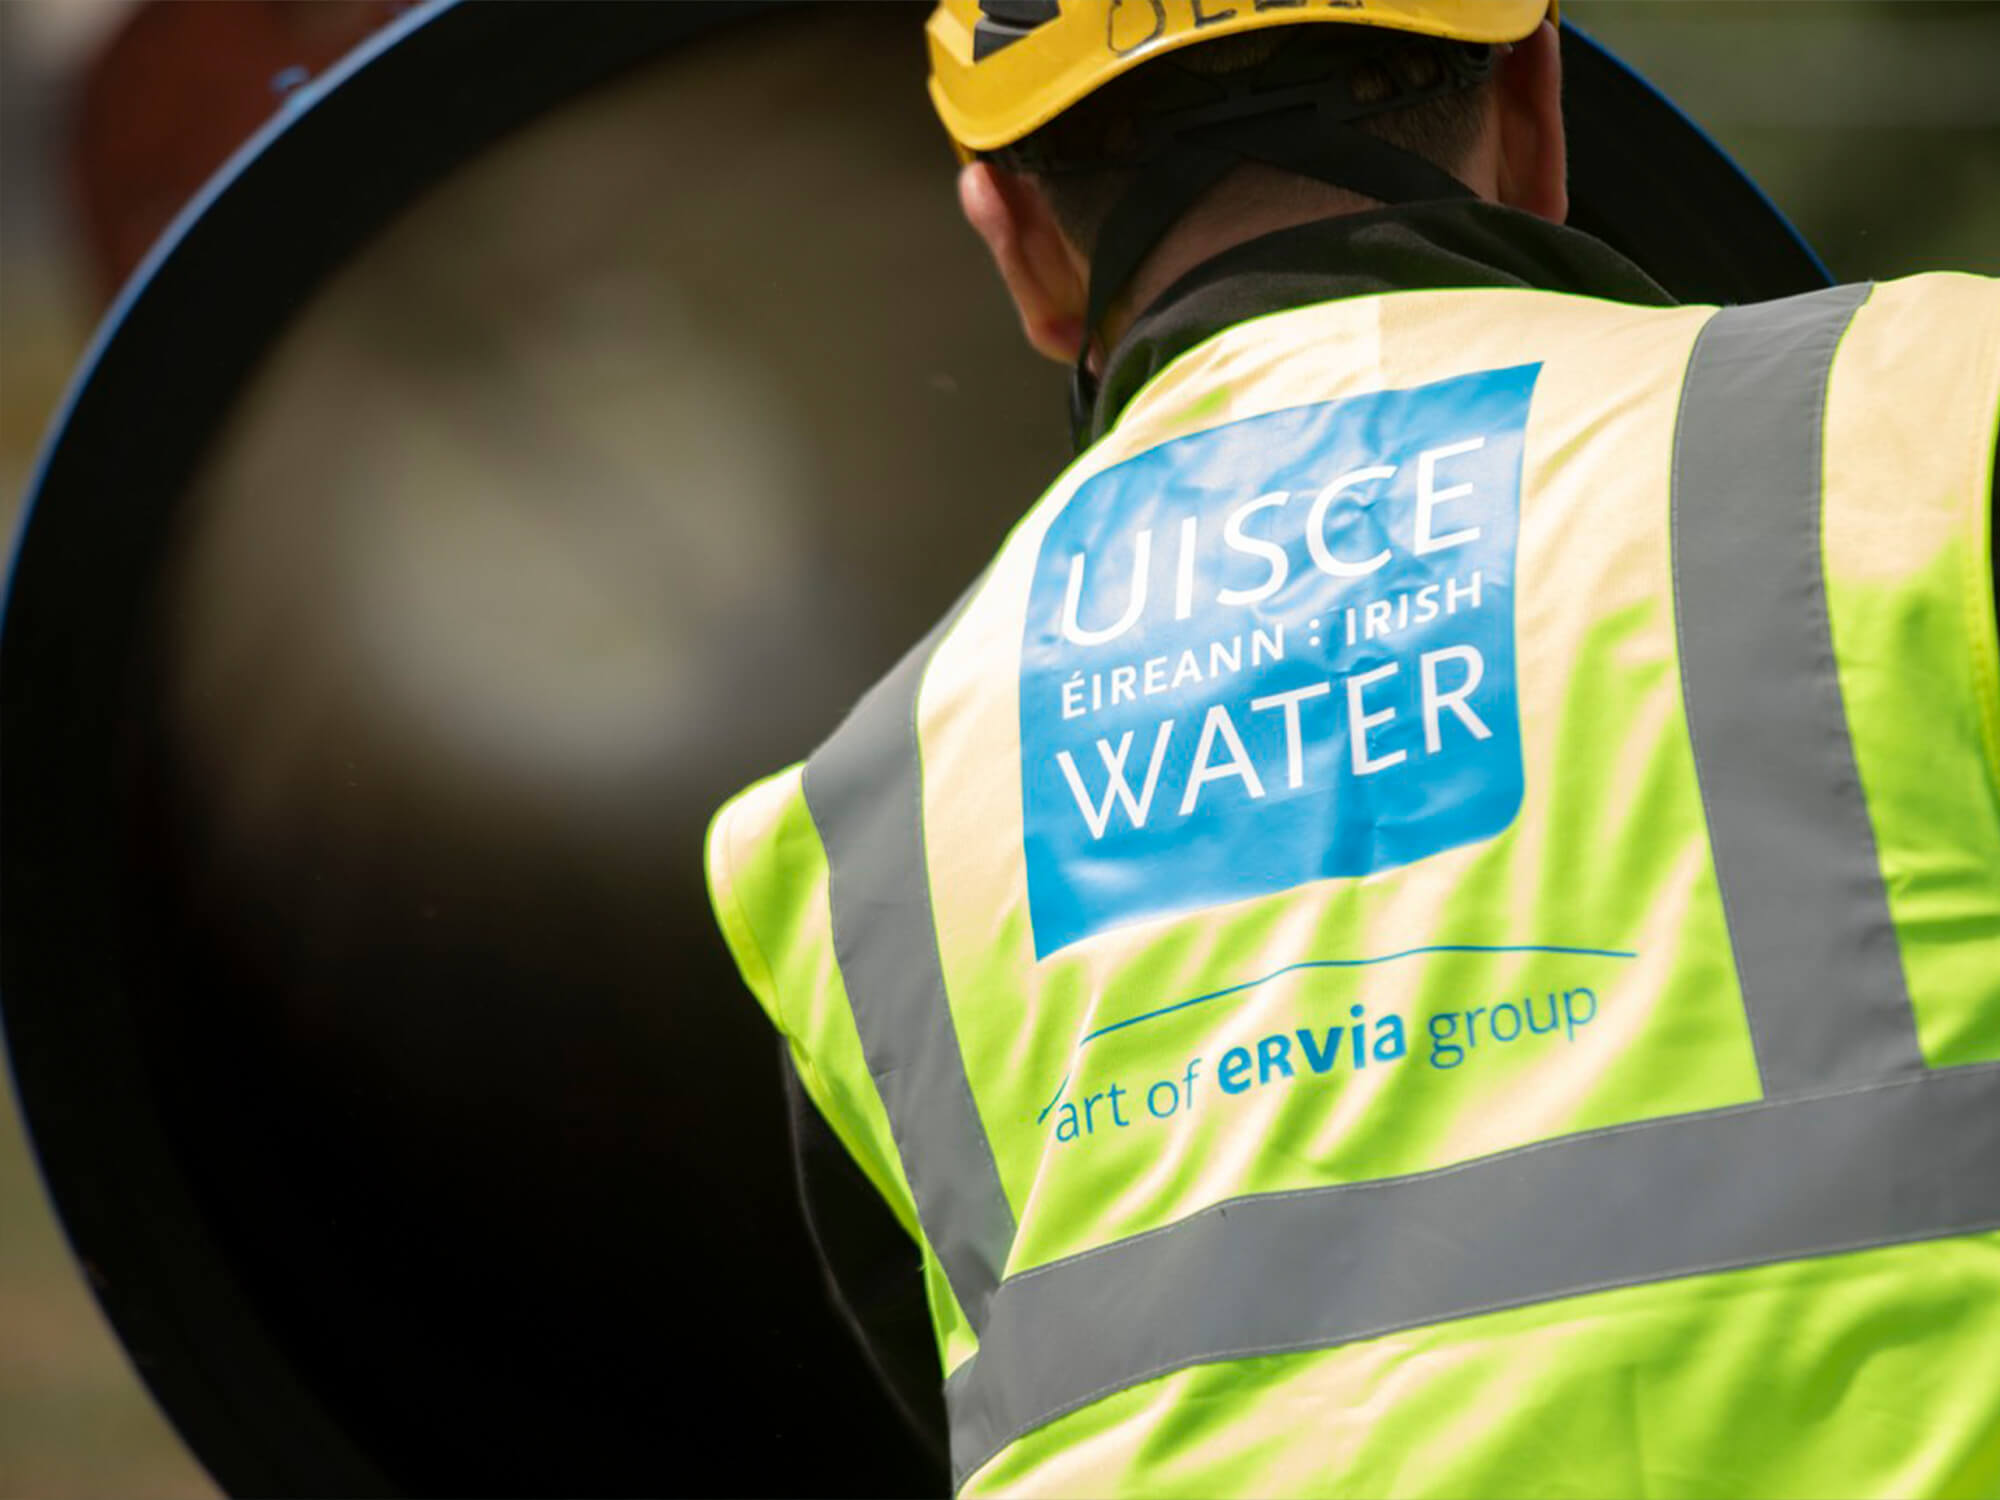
{"x":1432,"y":925}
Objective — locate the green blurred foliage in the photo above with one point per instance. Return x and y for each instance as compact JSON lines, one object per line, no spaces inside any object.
{"x":1874,"y":124}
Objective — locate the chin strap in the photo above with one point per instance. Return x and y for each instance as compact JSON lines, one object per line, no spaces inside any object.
{"x":1165,"y":189}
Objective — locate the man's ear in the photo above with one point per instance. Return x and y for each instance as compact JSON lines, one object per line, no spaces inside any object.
{"x":1534,"y":156}
{"x":1048,"y":280}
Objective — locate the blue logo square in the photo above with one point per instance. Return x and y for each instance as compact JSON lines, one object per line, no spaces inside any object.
{"x":1277,"y":651}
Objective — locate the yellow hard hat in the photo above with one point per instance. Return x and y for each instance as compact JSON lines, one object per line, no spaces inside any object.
{"x":1002,"y":68}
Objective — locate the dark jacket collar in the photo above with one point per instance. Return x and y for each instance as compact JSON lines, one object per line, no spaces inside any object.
{"x":1414,"y":248}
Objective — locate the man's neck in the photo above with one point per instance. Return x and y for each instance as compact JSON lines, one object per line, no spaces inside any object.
{"x":1252,"y":201}
{"x":1425,"y":246}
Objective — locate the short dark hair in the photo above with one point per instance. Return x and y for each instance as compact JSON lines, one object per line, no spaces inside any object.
{"x":1081,"y":147}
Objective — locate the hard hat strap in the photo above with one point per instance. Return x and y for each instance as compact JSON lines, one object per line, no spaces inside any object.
{"x":1166,"y":188}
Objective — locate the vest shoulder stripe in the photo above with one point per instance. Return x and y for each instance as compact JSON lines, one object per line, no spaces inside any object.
{"x":1794,"y":850}
{"x":864,"y":788}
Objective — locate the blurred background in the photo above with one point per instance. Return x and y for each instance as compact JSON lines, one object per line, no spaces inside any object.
{"x":1875,"y":124}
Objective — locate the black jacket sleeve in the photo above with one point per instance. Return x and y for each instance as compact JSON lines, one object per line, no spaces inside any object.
{"x":874,"y":1273}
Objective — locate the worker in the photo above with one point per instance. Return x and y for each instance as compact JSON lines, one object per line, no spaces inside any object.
{"x":1431,"y":924}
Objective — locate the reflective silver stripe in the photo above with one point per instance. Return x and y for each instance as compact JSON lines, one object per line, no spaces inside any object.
{"x":864,"y":788}
{"x":1908,"y":1160}
{"x":1794,"y":850}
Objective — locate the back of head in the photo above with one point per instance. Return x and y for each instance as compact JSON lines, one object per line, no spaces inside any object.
{"x":1128,"y":116}
{"x":1422,"y":95}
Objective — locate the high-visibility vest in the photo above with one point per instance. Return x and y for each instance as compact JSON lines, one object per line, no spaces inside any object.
{"x":1432,"y":924}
